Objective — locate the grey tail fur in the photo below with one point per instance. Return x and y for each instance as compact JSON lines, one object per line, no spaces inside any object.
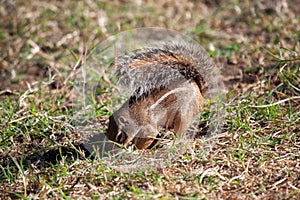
{"x":164,"y":65}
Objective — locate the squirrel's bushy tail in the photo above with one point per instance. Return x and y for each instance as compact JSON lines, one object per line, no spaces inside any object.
{"x":164,"y":65}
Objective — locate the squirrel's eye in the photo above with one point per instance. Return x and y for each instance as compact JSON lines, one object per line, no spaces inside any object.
{"x":120,"y":137}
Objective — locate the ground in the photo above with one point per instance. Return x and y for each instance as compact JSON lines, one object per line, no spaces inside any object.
{"x":256,"y":44}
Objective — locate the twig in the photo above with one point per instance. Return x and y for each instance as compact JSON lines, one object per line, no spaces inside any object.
{"x":278,"y":102}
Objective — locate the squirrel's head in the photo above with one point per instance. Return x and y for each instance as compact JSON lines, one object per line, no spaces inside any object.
{"x":121,"y":128}
{"x":125,"y":130}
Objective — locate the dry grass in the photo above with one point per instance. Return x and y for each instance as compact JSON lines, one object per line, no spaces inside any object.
{"x":257,"y":154}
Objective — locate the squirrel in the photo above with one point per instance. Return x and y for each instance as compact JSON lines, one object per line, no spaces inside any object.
{"x":169,"y":83}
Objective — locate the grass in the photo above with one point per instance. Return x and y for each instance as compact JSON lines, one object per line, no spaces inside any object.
{"x":256,"y":155}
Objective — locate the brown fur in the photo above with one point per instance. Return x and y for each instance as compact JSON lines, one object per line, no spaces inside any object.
{"x":172,"y":103}
{"x":176,"y":111}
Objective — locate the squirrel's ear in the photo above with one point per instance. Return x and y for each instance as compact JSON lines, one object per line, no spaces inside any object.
{"x":122,"y":121}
